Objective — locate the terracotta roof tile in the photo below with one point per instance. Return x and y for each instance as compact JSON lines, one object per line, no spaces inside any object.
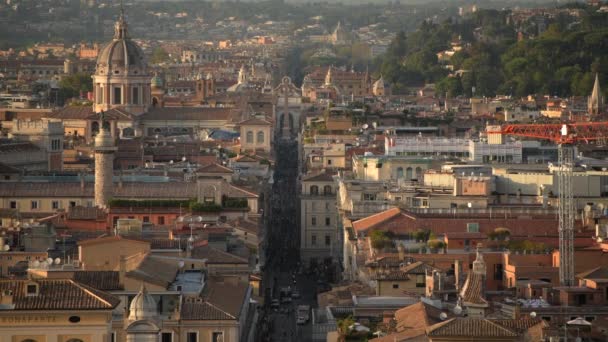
{"x":255,"y":122}
{"x":469,"y":327}
{"x":155,"y":270}
{"x":521,"y":325}
{"x":416,"y":316}
{"x":58,"y":294}
{"x":394,"y":275}
{"x":203,"y":311}
{"x":216,"y":256}
{"x":86,"y":213}
{"x":215,"y":168}
{"x":376,"y":219}
{"x":108,"y":239}
{"x":472,"y":291}
{"x":227,"y":294}
{"x":101,"y":280}
{"x":319,"y":177}
{"x":600,"y":272}
{"x":190,"y":113}
{"x":418,"y":267}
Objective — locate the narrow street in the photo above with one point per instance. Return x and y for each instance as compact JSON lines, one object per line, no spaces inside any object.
{"x":281,"y":268}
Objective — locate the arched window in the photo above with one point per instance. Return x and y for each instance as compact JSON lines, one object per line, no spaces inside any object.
{"x":399,"y":172}
{"x":418,"y":173}
{"x":408,"y":173}
{"x":327,"y":190}
{"x":74,"y":340}
{"x":28,"y":340}
{"x":250,"y":137}
{"x":154,"y":102}
{"x":314,"y":190}
{"x":106,"y":125}
{"x":260,"y":137}
{"x":94,"y":128}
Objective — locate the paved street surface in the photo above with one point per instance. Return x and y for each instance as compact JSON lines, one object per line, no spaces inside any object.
{"x":281,"y":267}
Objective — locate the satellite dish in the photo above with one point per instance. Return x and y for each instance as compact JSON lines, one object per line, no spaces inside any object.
{"x":49,"y":261}
{"x":36,"y":263}
{"x":180,"y":264}
{"x":199,"y":219}
{"x":457,"y":310}
{"x":365,"y":126}
{"x":533,"y":314}
{"x":57,"y":261}
{"x":6,"y":248}
{"x":443,"y":316}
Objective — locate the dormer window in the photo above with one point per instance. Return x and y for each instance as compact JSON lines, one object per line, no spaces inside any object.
{"x":31,"y":289}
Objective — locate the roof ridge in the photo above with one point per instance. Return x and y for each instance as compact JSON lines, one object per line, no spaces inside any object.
{"x":227,"y":253}
{"x":243,"y":190}
{"x":499,"y":326}
{"x":87,"y":290}
{"x":218,"y":308}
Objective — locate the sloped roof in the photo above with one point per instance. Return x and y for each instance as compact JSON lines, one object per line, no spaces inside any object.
{"x":469,"y":327}
{"x":376,"y":219}
{"x":189,"y":113}
{"x":246,"y":159}
{"x":414,"y":334}
{"x":472,"y":291}
{"x":418,"y":267}
{"x":237,"y":192}
{"x":4,"y":168}
{"x":216,"y":256}
{"x":87,"y":113}
{"x":108,"y":239}
{"x":520,"y":325}
{"x":254,"y":122}
{"x":394,"y":275}
{"x":12,"y":146}
{"x":86,"y":213}
{"x":101,"y":280}
{"x":416,"y":316}
{"x":155,"y":270}
{"x":227,"y":294}
{"x":58,"y":294}
{"x":73,"y":189}
{"x":319,"y":177}
{"x":215,"y":168}
{"x":598,"y":273}
{"x":203,"y":311}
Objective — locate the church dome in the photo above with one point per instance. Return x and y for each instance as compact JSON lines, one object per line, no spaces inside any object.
{"x":121,"y":56}
{"x":143,"y":306}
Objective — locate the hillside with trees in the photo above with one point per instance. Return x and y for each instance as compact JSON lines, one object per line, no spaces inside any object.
{"x":560,"y":61}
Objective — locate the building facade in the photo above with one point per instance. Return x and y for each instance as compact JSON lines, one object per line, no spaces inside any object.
{"x":319,"y":237}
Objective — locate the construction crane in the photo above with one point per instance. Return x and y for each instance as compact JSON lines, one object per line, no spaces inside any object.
{"x":566,"y":136}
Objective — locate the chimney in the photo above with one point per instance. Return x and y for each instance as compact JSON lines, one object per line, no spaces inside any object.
{"x":517,"y":311}
{"x":457,"y":271}
{"x":120,"y":180}
{"x":6,"y":300}
{"x":401,"y":251}
{"x":122,"y":270}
